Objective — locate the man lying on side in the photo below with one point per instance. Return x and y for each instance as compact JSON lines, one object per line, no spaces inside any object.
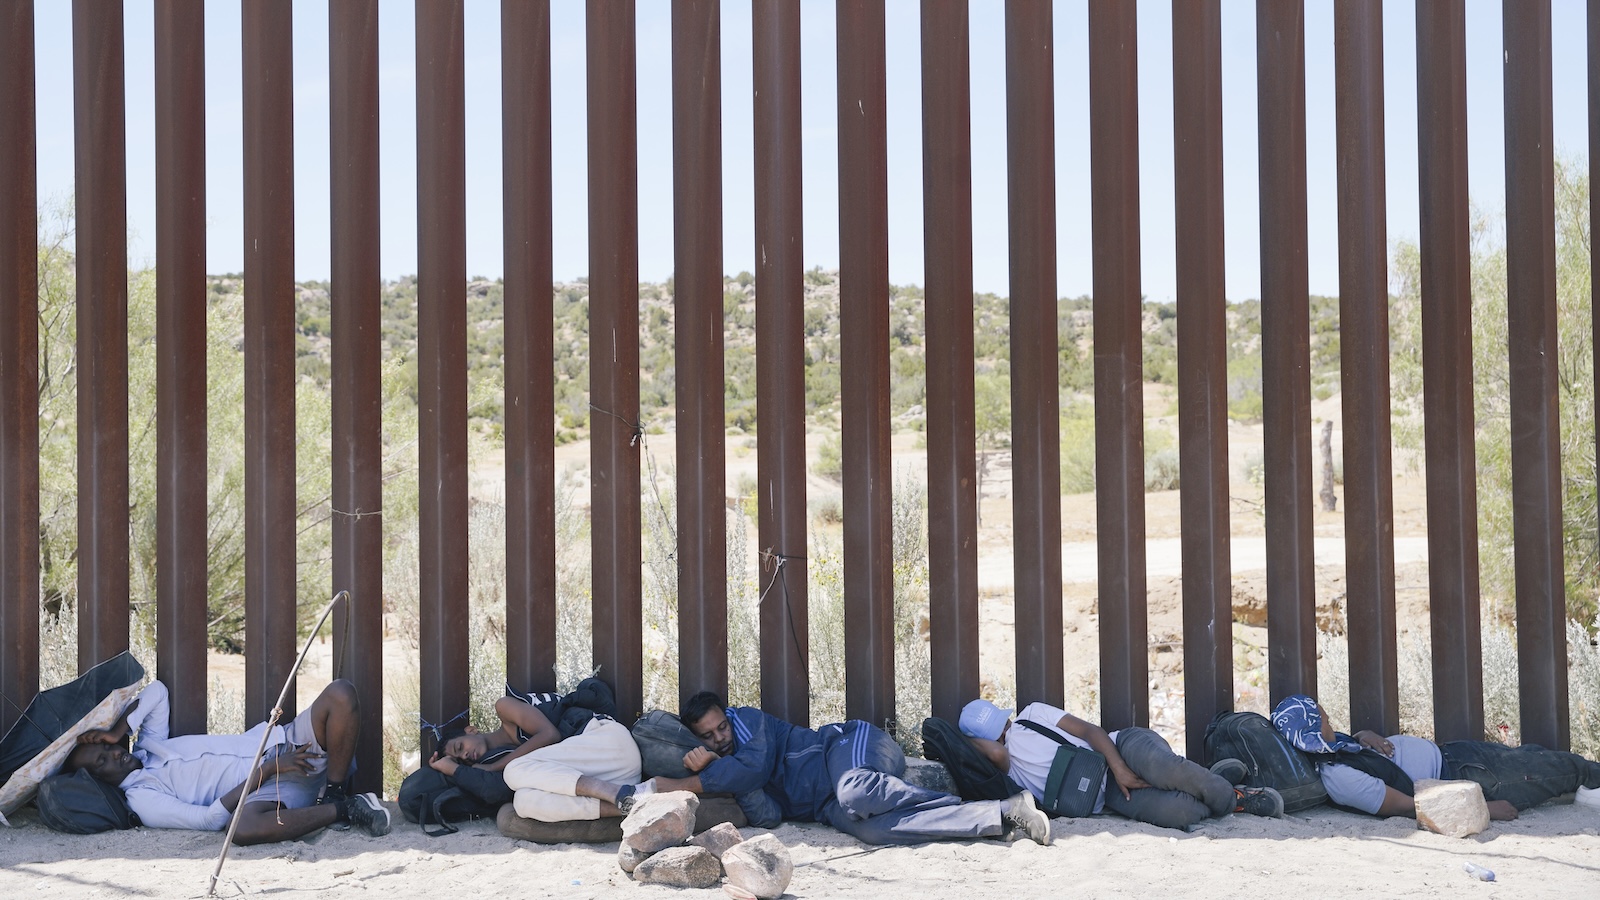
{"x":1144,"y":781}
{"x":197,"y":780}
{"x":1376,"y":774}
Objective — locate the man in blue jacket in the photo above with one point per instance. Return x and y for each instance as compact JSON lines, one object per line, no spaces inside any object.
{"x":845,"y":775}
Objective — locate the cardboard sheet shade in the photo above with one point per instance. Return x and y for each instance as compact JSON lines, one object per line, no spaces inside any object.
{"x":43,"y":736}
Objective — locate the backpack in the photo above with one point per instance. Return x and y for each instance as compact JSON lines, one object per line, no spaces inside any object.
{"x":975,"y":776}
{"x":82,"y":804}
{"x":663,"y":740}
{"x":427,"y":797}
{"x":1270,"y":760}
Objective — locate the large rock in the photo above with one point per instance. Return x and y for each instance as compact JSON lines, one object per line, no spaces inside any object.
{"x":1453,"y":808}
{"x":761,"y":865}
{"x":629,"y":858}
{"x":933,"y":776}
{"x":659,"y":821}
{"x":718,"y":839}
{"x":685,"y":867}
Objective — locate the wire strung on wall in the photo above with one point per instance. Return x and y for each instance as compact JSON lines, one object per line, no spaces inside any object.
{"x":774,"y":563}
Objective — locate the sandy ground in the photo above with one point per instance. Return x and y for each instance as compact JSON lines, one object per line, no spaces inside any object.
{"x":1553,"y":851}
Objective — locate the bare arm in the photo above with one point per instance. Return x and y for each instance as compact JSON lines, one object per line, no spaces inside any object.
{"x":515,"y":714}
{"x":995,"y":751}
{"x":1398,"y":804}
{"x":1127,"y":780}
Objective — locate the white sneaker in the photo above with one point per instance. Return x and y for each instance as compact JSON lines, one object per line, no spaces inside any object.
{"x":1589,"y":797}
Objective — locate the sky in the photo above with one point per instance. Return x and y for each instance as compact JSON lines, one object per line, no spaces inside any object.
{"x":397,"y":121}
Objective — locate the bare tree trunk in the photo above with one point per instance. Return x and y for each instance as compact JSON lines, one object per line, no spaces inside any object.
{"x":1329,"y":498}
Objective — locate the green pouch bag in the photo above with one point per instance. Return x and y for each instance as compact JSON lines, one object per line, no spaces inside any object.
{"x":1076,"y":775}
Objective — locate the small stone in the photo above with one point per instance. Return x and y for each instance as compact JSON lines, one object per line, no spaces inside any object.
{"x":718,"y":839}
{"x":933,"y":776}
{"x":1452,"y":808}
{"x":761,"y":865}
{"x":685,"y":867}
{"x":629,"y":858}
{"x":737,"y":893}
{"x":659,"y":821}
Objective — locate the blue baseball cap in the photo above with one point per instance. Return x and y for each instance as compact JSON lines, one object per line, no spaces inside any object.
{"x":982,"y":719}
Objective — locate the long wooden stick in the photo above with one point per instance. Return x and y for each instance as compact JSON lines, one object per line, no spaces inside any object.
{"x":277,"y":711}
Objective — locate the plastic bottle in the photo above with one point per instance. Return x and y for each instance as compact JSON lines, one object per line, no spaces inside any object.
{"x":1478,"y":872}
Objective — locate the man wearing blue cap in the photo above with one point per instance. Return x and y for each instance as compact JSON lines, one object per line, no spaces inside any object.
{"x":845,"y":775}
{"x":1152,"y":784}
{"x":1376,"y":774}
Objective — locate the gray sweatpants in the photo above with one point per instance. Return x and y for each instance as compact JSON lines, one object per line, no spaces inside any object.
{"x":872,"y":802}
{"x":1181,"y":792}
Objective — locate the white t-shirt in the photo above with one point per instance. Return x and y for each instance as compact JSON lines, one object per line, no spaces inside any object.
{"x":1417,"y":757}
{"x":1032,"y":753}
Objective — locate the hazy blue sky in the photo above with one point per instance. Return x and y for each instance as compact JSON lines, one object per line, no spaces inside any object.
{"x":484,"y":249}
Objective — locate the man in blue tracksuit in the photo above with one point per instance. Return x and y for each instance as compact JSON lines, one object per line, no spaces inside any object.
{"x":845,"y":775}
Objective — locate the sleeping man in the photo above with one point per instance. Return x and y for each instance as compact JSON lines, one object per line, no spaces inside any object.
{"x":1375,"y":774}
{"x":196,"y":781}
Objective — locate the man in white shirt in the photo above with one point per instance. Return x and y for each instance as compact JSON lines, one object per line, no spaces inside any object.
{"x":196,"y":781}
{"x":1150,"y":783}
{"x":1375,"y":774}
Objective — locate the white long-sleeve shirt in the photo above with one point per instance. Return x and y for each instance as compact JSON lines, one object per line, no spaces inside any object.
{"x":184,"y":778}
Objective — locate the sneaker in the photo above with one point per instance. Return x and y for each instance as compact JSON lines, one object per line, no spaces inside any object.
{"x":1261,"y":801}
{"x":366,"y":812}
{"x":1021,"y":814}
{"x":629,"y":794}
{"x":1232,"y":770}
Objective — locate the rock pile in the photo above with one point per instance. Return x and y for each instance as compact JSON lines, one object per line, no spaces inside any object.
{"x":659,"y":847}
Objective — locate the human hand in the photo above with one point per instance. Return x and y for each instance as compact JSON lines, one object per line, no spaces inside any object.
{"x":1374,"y":741}
{"x":444,"y":764}
{"x":1502,"y":810}
{"x":97,"y":736}
{"x":300,"y":759}
{"x":1127,"y":781}
{"x":698,"y":759}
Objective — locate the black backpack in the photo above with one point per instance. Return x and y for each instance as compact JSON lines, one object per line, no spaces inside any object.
{"x":79,"y":803}
{"x":429,"y":798}
{"x":1270,"y":760}
{"x":975,"y":776}
{"x":663,"y":741}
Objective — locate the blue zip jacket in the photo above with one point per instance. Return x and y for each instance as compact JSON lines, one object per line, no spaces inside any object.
{"x":777,"y":770}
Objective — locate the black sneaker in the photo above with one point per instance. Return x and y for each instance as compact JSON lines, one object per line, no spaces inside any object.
{"x":1232,"y":770}
{"x":1261,"y":801}
{"x":368,"y":814}
{"x":1021,"y":814}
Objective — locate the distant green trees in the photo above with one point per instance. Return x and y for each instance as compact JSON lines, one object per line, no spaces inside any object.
{"x":1491,"y":390}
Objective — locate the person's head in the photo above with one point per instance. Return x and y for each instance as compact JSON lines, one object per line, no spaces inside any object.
{"x":467,"y":745}
{"x":703,"y":715}
{"x":109,"y":763}
{"x":982,"y":719}
{"x":1303,"y":722}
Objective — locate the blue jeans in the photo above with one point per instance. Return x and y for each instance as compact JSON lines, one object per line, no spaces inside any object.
{"x":1523,"y":776}
{"x":1181,"y":792}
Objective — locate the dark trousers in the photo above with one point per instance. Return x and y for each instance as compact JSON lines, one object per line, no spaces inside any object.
{"x":1181,"y":792}
{"x":1524,"y":776}
{"x":873,"y":803}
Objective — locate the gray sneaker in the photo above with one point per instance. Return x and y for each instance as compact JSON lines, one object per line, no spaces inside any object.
{"x":1232,"y":770}
{"x":1261,"y":801}
{"x":1021,"y":814}
{"x":367,"y":813}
